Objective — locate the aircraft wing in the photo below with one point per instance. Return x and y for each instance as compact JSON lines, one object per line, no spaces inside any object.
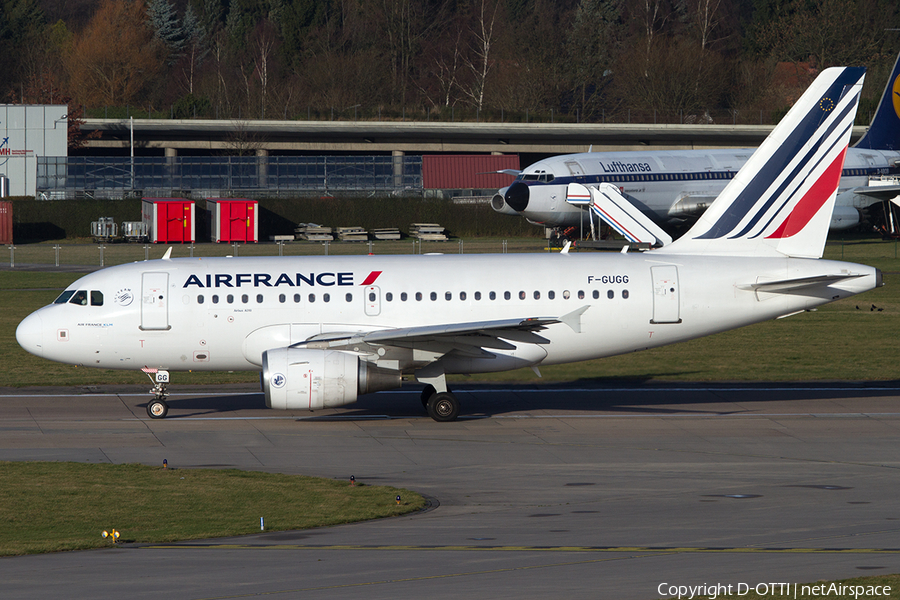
{"x":466,"y":338}
{"x":879,"y":193}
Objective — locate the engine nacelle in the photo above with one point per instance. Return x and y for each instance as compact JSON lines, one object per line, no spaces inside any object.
{"x":312,"y":379}
{"x":844,"y":217}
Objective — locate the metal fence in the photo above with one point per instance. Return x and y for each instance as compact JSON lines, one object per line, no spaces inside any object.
{"x":218,"y":176}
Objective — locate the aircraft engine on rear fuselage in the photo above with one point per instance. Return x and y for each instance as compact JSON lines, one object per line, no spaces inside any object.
{"x":312,"y":379}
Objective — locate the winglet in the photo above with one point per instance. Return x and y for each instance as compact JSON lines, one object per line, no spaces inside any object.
{"x":168,"y":254}
{"x":573,"y":319}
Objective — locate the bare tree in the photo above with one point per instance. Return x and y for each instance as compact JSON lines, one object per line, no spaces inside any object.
{"x":479,"y":61}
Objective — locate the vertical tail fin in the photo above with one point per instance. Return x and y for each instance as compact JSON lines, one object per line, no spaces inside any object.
{"x":884,"y":130}
{"x":780,"y":202}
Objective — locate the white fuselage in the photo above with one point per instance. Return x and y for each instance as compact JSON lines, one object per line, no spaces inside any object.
{"x":667,"y":183}
{"x":223,"y":313}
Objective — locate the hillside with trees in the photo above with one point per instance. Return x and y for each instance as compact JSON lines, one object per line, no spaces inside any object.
{"x":512,"y":60}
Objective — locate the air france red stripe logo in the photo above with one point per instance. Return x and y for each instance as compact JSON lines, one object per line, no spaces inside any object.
{"x":371,"y":278}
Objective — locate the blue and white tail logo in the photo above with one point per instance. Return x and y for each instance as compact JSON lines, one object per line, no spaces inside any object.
{"x":780,"y":202}
{"x":884,"y":130}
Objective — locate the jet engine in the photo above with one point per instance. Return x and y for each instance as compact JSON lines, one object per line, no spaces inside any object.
{"x":312,"y":379}
{"x":844,"y":217}
{"x":498,"y":203}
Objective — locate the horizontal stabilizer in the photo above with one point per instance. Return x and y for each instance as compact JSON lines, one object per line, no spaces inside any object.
{"x":608,"y":203}
{"x":787,"y":286}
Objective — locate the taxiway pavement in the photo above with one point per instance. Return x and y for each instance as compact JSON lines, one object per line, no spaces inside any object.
{"x":555,"y":492}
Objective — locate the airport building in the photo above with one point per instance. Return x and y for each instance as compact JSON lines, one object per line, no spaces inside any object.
{"x":28,"y":135}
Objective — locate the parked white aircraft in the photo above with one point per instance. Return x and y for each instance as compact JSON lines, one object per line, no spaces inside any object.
{"x":324,"y":330}
{"x":678,"y":185}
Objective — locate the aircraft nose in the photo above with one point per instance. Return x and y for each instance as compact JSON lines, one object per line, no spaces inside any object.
{"x":517,"y":196}
{"x":30,"y":333}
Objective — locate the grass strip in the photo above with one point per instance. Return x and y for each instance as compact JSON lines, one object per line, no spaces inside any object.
{"x":54,"y":506}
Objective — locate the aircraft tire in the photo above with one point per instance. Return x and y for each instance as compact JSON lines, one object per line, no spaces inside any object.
{"x":443,"y":407}
{"x":427,"y":392}
{"x":157,"y":409}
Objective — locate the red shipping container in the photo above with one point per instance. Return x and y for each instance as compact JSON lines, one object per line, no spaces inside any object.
{"x":169,"y":219}
{"x":468,"y":171}
{"x":233,"y":220}
{"x":6,"y":223}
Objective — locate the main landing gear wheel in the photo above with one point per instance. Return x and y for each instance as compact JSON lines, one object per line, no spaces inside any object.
{"x":443,"y":407}
{"x":157,"y":408}
{"x":427,"y":392}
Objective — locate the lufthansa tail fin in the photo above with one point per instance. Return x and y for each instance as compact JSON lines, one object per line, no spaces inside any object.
{"x":780,"y":202}
{"x":884,"y":130}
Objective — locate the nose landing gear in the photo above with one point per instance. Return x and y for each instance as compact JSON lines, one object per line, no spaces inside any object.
{"x":157,"y":408}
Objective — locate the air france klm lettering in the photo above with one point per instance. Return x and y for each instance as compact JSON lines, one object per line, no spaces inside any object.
{"x":324,"y":330}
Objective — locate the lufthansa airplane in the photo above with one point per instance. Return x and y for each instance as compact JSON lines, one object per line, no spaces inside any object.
{"x":676,"y":186}
{"x":325,"y":330}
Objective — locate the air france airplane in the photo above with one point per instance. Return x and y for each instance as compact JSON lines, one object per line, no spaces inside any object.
{"x":676,"y":186}
{"x":325,"y":330}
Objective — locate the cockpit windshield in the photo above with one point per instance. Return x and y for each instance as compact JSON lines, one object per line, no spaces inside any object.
{"x":80,"y":297}
{"x":545,"y":177}
{"x":64,"y":297}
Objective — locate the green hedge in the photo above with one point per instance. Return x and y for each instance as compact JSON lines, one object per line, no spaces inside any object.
{"x":41,"y":220}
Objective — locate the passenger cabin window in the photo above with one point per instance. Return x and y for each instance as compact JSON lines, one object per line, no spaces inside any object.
{"x":349,"y":297}
{"x":403,"y":296}
{"x":462,"y":295}
{"x":326,"y":297}
{"x":282,"y":298}
{"x":200,"y":299}
{"x":478,"y":295}
{"x":259,"y":298}
{"x":388,"y":296}
{"x":433,"y":296}
{"x":297,"y":298}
